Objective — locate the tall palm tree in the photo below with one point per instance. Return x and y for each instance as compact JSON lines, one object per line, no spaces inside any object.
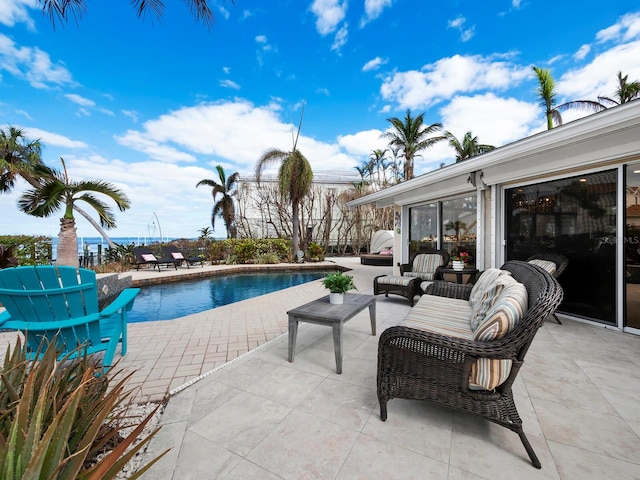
{"x":295,"y":178}
{"x":225,"y":207}
{"x":58,"y":191}
{"x":61,"y":10}
{"x":21,"y":158}
{"x":412,"y":136}
{"x":469,"y":147}
{"x":547,"y":98}
{"x":379,"y":162}
{"x":626,"y":92}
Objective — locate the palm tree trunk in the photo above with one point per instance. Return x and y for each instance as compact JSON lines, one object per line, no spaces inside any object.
{"x":96,"y":225}
{"x":295,"y":235}
{"x":67,"y":253}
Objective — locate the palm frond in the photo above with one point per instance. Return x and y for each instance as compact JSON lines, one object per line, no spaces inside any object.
{"x":107,"y":219}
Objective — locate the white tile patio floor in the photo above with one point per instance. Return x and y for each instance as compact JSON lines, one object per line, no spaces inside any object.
{"x":257,"y":416}
{"x":261,"y":417}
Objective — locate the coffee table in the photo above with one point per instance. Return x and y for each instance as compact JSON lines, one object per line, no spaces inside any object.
{"x":321,"y":312}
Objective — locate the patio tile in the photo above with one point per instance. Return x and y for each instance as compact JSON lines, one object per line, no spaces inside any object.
{"x":371,"y":457}
{"x":202,"y":458}
{"x":303,"y":446}
{"x":241,"y":423}
{"x":247,"y":470}
{"x":576,"y":464}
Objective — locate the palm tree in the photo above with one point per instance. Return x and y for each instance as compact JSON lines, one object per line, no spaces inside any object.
{"x":61,"y":10}
{"x":547,"y":99}
{"x":57,"y":191}
{"x":411,"y":136}
{"x":626,"y":92}
{"x":469,"y":147}
{"x":295,"y":178}
{"x":378,"y":163}
{"x":21,"y":158}
{"x":225,"y":207}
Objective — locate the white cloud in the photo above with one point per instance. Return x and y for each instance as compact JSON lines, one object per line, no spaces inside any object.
{"x":627,"y":28}
{"x":132,"y":114}
{"x":53,"y":139}
{"x":261,"y":39}
{"x":85,"y":102}
{"x":582,"y":52}
{"x":448,"y":76}
{"x":323,"y":91}
{"x":31,"y":64}
{"x":341,"y":38}
{"x":373,"y":9}
{"x":374,"y":64}
{"x":329,"y":13}
{"x":456,"y":22}
{"x":16,"y":11}
{"x":515,"y":3}
{"x":465,"y":34}
{"x":362,"y":143}
{"x":229,"y":84}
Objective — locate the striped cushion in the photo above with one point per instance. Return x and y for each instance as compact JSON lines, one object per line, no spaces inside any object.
{"x":487,"y":298}
{"x":487,"y":374}
{"x":450,"y":317}
{"x":548,"y":266}
{"x":486,"y":280}
{"x":506,"y":312}
{"x":425,"y":265}
{"x":393,"y":280}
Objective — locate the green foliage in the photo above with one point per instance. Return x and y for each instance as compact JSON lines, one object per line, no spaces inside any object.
{"x":315,"y":251}
{"x":264,"y":250}
{"x":245,"y":250}
{"x":338,"y":282}
{"x":267,"y":258}
{"x":29,"y":250}
{"x":57,"y":417}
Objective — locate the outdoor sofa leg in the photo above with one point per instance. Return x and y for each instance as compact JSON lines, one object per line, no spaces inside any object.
{"x":383,"y":411}
{"x":527,"y":446}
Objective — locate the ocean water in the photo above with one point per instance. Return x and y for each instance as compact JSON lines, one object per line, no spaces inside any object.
{"x":90,"y":244}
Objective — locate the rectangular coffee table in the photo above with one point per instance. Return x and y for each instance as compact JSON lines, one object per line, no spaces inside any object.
{"x":321,"y":312}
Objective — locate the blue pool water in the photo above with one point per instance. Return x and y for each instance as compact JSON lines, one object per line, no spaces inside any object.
{"x":177,"y":299}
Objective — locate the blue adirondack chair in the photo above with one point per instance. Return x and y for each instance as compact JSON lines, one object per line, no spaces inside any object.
{"x":47,"y":303}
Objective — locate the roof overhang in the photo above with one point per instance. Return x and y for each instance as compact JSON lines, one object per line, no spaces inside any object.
{"x":605,"y":138}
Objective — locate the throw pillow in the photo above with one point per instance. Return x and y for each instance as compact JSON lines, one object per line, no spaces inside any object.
{"x":507,"y":310}
{"x":177,"y":256}
{"x":549,"y":267}
{"x":148,"y":257}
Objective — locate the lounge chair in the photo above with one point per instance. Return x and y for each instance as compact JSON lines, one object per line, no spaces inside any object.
{"x":144,"y":256}
{"x":171,"y":251}
{"x":60,"y":304}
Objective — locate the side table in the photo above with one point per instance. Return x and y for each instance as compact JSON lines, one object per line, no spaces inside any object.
{"x":472,"y":272}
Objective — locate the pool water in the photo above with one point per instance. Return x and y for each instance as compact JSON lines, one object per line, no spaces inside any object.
{"x":176,"y":299}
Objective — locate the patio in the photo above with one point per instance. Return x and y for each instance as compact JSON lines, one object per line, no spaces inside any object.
{"x":240,"y":410}
{"x":263,"y":417}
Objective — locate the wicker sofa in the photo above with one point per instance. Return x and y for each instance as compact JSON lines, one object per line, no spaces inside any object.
{"x":462,"y":346}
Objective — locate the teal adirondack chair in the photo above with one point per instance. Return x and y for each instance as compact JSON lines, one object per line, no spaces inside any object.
{"x":61,"y":303}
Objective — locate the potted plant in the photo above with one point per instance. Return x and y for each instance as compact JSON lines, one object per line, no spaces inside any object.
{"x":338,"y":283}
{"x":460,"y":261}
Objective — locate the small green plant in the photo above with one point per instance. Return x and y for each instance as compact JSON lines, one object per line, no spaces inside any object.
{"x":315,"y":251}
{"x":339,"y":282}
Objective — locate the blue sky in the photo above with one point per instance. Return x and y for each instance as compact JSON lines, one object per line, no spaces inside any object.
{"x":153,"y":106}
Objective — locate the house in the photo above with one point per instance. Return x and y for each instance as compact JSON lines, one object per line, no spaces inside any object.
{"x":572,"y":190}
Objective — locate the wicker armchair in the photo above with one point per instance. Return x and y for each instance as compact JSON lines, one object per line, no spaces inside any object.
{"x":422,"y":365}
{"x":560,"y":261}
{"x":425,"y":257}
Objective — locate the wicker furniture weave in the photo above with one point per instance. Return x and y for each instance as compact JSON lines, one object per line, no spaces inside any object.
{"x":561,"y":262}
{"x":417,"y":364}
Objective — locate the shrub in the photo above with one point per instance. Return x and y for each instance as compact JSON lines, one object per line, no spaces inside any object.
{"x":58,"y":418}
{"x":29,"y":250}
{"x":245,"y":250}
{"x":315,"y":251}
{"x":267,"y":258}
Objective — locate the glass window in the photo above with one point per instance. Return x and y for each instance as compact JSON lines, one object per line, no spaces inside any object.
{"x":459,"y":221}
{"x":423,"y":227}
{"x":576,"y":217}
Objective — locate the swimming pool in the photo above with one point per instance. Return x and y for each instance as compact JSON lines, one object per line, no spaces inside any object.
{"x":177,"y":299}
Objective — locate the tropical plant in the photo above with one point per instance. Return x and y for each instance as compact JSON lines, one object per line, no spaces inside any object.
{"x":224,"y":207}
{"x":338,"y":282}
{"x":29,"y":250}
{"x":547,"y":99}
{"x":57,"y":191}
{"x":6,"y":257}
{"x":64,"y":419}
{"x":295,"y":178}
{"x":412,"y":136}
{"x":21,"y":158}
{"x":469,"y":147}
{"x":626,"y":92}
{"x":61,"y":10}
{"x":206,"y":233}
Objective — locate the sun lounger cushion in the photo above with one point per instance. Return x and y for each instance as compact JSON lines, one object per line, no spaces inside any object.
{"x":177,"y":256}
{"x":549,"y":267}
{"x":149,"y":257}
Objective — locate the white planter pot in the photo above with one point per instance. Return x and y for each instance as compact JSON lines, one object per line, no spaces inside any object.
{"x":336,"y":298}
{"x":458,"y":265}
